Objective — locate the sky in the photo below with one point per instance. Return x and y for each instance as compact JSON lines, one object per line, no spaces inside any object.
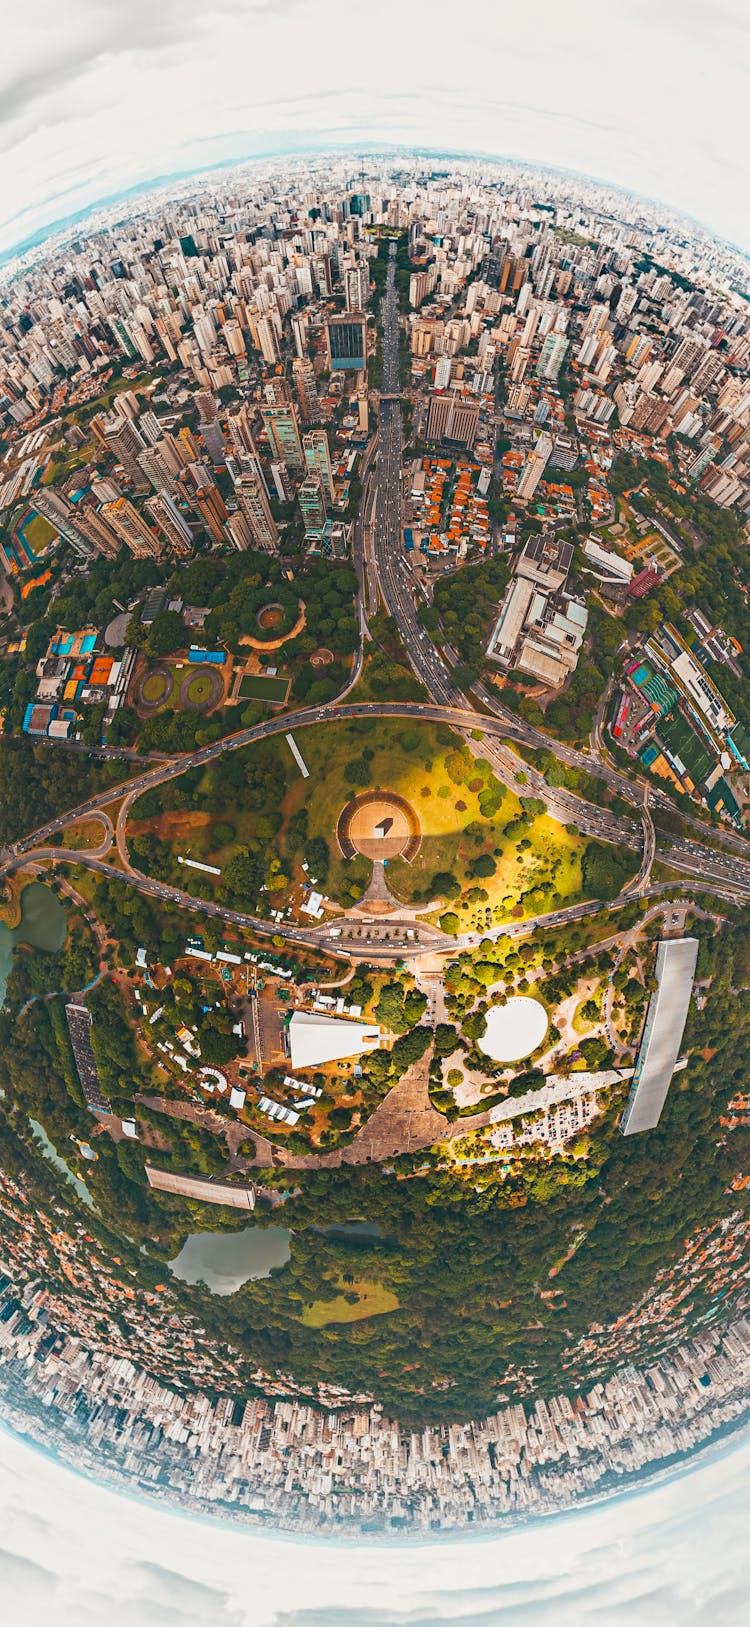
{"x":97,"y":95}
{"x":73,"y":1555}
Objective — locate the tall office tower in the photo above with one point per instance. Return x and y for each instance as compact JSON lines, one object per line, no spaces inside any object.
{"x":240,"y":431}
{"x":98,"y":534}
{"x":282,"y":482}
{"x":282,"y":430}
{"x":132,"y":529}
{"x":150,"y":427}
{"x":443,"y":373}
{"x":318,"y":458}
{"x":346,"y":338}
{"x":595,"y":320}
{"x":551,"y":356}
{"x":356,"y":288}
{"x":453,"y":418}
{"x":307,"y":393}
{"x":156,"y":468}
{"x":299,"y":334}
{"x":208,"y":411}
{"x":126,"y":444}
{"x":212,"y":509}
{"x":213,"y":440}
{"x":267,"y":340}
{"x":421,"y":283}
{"x":239,"y":533}
{"x":254,"y":505}
{"x":231,"y":333}
{"x":126,"y":405}
{"x":188,"y":444}
{"x":64,"y":516}
{"x":534,"y":467}
{"x":170,"y":523}
{"x":311,"y":499}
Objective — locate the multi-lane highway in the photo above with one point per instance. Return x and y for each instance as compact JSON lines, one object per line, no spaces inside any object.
{"x":380,"y":562}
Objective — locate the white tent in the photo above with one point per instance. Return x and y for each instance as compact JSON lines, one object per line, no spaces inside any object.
{"x":314,"y":1038}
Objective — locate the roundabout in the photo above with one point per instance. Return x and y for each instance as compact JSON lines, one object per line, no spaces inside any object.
{"x":514,"y":1030}
{"x":380,"y":825}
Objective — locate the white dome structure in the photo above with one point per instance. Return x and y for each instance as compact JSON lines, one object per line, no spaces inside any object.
{"x":514,"y":1030}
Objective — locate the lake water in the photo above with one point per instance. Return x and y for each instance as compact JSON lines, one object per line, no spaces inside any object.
{"x":351,"y":1231}
{"x":43,"y":926}
{"x":53,"y":1157}
{"x":224,"y":1260}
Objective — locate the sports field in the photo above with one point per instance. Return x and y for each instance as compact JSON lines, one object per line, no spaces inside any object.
{"x":264,"y":689}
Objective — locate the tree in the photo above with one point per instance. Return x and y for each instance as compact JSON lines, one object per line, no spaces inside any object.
{"x":166,"y":634}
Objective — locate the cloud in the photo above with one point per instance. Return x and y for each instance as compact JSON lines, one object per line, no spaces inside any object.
{"x":115,"y":94}
{"x":76,"y":1555}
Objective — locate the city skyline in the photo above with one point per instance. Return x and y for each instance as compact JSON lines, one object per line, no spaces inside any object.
{"x":73,"y":1550}
{"x":115,"y":72}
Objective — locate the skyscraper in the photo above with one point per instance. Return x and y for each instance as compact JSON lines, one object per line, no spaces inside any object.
{"x":170,"y":523}
{"x":254,"y":504}
{"x":132,"y":529}
{"x":347,"y":342}
{"x":534,"y":467}
{"x":318,"y":458}
{"x":307,"y":393}
{"x":282,"y":430}
{"x":311,"y":500}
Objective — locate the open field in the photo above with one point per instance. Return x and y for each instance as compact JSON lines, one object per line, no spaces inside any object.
{"x":264,"y":689}
{"x":373,"y":1299}
{"x":482,"y":855}
{"x":38,"y":533}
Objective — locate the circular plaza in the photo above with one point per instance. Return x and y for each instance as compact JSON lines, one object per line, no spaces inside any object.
{"x":380,"y":825}
{"x":514,"y":1030}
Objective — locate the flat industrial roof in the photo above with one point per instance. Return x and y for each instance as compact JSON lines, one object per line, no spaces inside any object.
{"x":662,"y":1035}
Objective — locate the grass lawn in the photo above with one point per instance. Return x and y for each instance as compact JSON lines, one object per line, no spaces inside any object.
{"x":264,"y":689}
{"x":154,"y":687}
{"x":534,"y":863}
{"x":373,"y":1299}
{"x":39,"y":533}
{"x":200,"y":689}
{"x":84,"y":834}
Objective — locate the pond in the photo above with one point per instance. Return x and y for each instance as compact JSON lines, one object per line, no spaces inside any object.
{"x":53,"y":1157}
{"x":224,"y":1260}
{"x":351,"y":1231}
{"x":43,"y":926}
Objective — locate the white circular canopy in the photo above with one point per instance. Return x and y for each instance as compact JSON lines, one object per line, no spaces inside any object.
{"x":514,"y":1030}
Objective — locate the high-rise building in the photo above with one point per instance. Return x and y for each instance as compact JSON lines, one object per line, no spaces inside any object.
{"x":171,"y":524}
{"x":534,"y":468}
{"x":311,"y":499}
{"x":208,"y":501}
{"x":157,"y":468}
{"x":132,"y":529}
{"x":282,"y":430}
{"x":231,"y":333}
{"x":63,"y":515}
{"x":125,"y":443}
{"x":453,"y":418}
{"x":267,"y":340}
{"x":347,"y":342}
{"x":318,"y":458}
{"x":305,"y":385}
{"x":356,"y":288}
{"x":253,"y":503}
{"x":551,"y":356}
